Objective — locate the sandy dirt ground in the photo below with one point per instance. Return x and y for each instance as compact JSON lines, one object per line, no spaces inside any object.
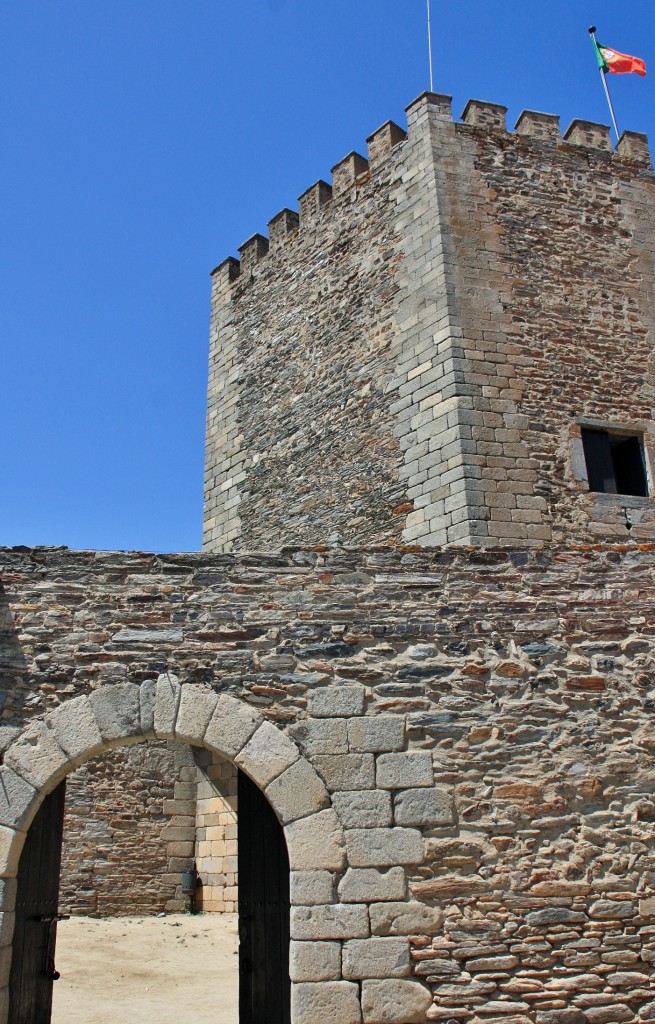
{"x":177,"y":969}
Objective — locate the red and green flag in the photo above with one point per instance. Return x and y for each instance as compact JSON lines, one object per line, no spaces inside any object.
{"x":618,"y":63}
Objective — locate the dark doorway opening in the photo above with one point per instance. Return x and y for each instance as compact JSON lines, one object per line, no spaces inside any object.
{"x":264,"y":989}
{"x":264,"y":908}
{"x":35,"y":927}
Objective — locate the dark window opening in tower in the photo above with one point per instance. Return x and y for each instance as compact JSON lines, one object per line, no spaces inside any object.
{"x":615,"y":462}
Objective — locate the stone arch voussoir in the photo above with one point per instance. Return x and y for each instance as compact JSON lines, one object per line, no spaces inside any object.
{"x":122,"y":714}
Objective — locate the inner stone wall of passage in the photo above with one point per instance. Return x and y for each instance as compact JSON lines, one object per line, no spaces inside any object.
{"x":129,"y":831}
{"x":216,"y":834}
{"x":136,"y":818}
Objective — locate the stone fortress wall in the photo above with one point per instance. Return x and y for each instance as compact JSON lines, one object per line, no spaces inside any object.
{"x":442,"y":672}
{"x":411,"y":357}
{"x":458,"y":743}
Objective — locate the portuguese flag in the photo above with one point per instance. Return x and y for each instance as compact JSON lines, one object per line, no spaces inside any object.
{"x":618,"y":63}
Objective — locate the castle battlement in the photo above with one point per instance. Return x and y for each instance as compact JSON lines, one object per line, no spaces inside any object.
{"x":427,"y":352}
{"x":355,"y":170}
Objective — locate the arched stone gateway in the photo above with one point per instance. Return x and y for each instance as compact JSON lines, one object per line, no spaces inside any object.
{"x":117,"y":715}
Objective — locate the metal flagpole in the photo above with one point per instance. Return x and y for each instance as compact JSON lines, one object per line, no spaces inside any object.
{"x":603,"y":75}
{"x":430,"y":48}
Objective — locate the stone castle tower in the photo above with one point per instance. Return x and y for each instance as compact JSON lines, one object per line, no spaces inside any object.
{"x":452,"y":344}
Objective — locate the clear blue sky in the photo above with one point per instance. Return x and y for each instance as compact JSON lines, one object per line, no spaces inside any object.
{"x":142,"y":142}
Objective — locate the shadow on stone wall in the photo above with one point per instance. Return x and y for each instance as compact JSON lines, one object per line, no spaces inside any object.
{"x":15,"y":689}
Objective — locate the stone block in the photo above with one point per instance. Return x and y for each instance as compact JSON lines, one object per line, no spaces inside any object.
{"x":336,"y":701}
{"x":180,"y":849}
{"x":363,"y":808}
{"x":337,"y":1001}
{"x":382,"y":141}
{"x":424,"y":807}
{"x":612,"y":910}
{"x":313,"y":199}
{"x":315,"y":961}
{"x":252,"y":251}
{"x":405,"y":770}
{"x":309,"y":888}
{"x":283,"y":224}
{"x":37,"y":756}
{"x":196,"y":707}
{"x":345,"y":173}
{"x":5,"y":972}
{"x":383,"y":847}
{"x":117,"y":712}
{"x":7,"y":921}
{"x":634,"y":146}
{"x":367,"y":885}
{"x":554,"y":916}
{"x":377,"y":734}
{"x":76,"y":730}
{"x":347,"y":771}
{"x":616,"y":1013}
{"x":167,"y":701}
{"x":395,"y":1001}
{"x":11,"y":845}
{"x":321,"y":736}
{"x":411,"y":918}
{"x":266,"y":754}
{"x":17,"y":799}
{"x":544,"y":127}
{"x":451,"y":887}
{"x":147,"y":696}
{"x":231,"y":726}
{"x":316,"y":843}
{"x":8,"y":887}
{"x":8,"y":733}
{"x":376,"y":958}
{"x":481,"y":114}
{"x":646,"y":906}
{"x":333,"y":921}
{"x":589,"y":134}
{"x":297,"y":793}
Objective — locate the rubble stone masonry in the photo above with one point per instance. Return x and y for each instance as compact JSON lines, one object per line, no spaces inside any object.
{"x":412,"y":357}
{"x":459,"y":745}
{"x":129,"y":831}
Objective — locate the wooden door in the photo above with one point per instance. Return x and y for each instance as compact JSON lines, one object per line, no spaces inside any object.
{"x":263,"y":862}
{"x":32,"y":964}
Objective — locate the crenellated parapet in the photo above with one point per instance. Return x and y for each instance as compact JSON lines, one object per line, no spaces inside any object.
{"x":355,"y":170}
